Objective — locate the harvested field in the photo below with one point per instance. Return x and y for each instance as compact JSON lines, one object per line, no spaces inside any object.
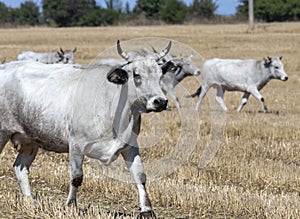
{"x":255,"y":173}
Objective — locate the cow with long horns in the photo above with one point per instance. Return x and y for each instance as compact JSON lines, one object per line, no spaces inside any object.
{"x":77,"y":110}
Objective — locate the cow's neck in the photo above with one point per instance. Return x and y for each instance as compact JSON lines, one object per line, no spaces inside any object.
{"x":125,"y":120}
{"x":179,"y":75}
{"x":266,"y":76}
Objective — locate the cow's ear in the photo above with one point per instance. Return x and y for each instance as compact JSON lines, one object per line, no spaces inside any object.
{"x":168,"y":67}
{"x":59,"y":54}
{"x":268,"y":61}
{"x":117,"y":76}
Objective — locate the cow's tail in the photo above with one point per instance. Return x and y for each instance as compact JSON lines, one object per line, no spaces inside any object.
{"x":197,"y":93}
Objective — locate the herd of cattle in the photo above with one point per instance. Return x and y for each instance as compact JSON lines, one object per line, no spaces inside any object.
{"x":48,"y":102}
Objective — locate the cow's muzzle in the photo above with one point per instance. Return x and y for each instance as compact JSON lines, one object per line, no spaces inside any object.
{"x":285,"y":78}
{"x":160,"y":104}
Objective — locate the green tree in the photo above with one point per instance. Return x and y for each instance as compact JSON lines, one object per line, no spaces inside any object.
{"x":272,"y":10}
{"x":127,"y":8}
{"x":151,"y":8}
{"x":3,"y":12}
{"x":173,"y":11}
{"x":29,"y":13}
{"x":114,"y":5}
{"x":204,"y":8}
{"x":13,"y":16}
{"x":66,"y":12}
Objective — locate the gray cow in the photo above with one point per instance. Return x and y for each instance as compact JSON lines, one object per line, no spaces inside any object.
{"x":184,"y":67}
{"x":67,"y":109}
{"x":248,"y":76}
{"x":62,"y":56}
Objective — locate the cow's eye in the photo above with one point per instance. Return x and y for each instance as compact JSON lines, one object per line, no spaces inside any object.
{"x":276,"y":67}
{"x":137,"y":79}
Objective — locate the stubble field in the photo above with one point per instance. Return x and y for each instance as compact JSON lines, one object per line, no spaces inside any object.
{"x":255,"y":173}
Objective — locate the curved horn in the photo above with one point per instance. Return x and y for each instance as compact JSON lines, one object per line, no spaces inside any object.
{"x":75,"y":49}
{"x":165,"y":51}
{"x":62,"y":51}
{"x":153,"y":49}
{"x":120,"y":51}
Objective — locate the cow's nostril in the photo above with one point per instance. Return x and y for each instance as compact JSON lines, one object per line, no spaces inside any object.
{"x":286,"y":78}
{"x":157,"y":102}
{"x":160,"y":104}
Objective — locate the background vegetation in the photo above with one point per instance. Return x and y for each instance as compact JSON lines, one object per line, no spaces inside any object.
{"x":255,"y":173}
{"x":66,"y":13}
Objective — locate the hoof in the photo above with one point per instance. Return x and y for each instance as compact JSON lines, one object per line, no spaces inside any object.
{"x":147,"y":214}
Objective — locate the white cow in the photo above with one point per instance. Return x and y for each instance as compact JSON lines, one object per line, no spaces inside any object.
{"x":62,"y":56}
{"x":248,"y":76}
{"x":80,"y":111}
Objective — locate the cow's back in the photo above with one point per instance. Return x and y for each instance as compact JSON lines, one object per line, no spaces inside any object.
{"x":47,"y":99}
{"x":26,"y":55}
{"x":38,"y":97}
{"x":230,"y":71}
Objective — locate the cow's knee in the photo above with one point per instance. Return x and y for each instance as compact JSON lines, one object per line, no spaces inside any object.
{"x":244,"y":101}
{"x":142,"y":178}
{"x":77,"y":180}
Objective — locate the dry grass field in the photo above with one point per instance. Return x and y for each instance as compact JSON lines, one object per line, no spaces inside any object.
{"x":255,"y":173}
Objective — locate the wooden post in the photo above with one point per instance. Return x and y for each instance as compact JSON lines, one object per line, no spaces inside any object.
{"x":251,"y":14}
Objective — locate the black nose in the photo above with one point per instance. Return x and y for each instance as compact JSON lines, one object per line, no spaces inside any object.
{"x":160,"y":104}
{"x":286,"y":78}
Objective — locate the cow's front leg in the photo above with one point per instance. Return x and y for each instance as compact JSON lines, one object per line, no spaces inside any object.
{"x":174,"y":98}
{"x":134,"y":164}
{"x":202,"y":94}
{"x":21,"y":166}
{"x":243,"y":101}
{"x":76,"y":174}
{"x":220,"y":98}
{"x":259,"y":97}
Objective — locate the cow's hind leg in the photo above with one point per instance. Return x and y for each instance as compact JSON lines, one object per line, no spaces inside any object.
{"x":76,"y":174}
{"x":21,"y":166}
{"x":134,"y":164}
{"x":220,"y":98}
{"x":243,"y":101}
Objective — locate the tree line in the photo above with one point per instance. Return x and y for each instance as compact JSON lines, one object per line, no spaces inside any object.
{"x":67,"y":13}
